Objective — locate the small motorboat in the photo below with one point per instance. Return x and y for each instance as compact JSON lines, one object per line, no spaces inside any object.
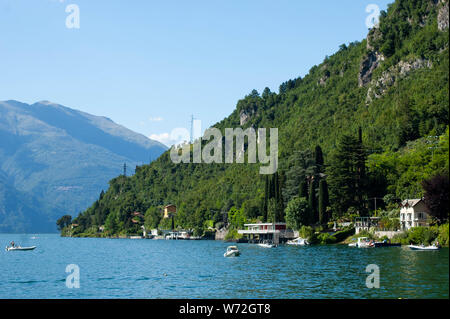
{"x":232,"y":251}
{"x":266,"y":245}
{"x":298,"y":242}
{"x":14,"y":248}
{"x":423,"y":247}
{"x":363,"y":242}
{"x":386,"y":243}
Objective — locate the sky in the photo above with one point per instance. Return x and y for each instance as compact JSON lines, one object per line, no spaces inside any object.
{"x":151,"y":65}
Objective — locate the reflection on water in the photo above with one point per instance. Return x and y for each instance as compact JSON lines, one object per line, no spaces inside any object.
{"x":121,"y":268}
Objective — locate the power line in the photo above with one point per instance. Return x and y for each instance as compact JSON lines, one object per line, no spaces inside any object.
{"x":192,"y":129}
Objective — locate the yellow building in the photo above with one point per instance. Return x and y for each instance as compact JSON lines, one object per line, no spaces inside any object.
{"x":169,"y":210}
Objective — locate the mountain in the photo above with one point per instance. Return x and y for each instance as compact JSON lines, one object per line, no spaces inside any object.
{"x":55,"y":160}
{"x":392,"y":87}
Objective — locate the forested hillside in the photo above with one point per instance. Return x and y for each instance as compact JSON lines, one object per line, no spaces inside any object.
{"x":369,"y":121}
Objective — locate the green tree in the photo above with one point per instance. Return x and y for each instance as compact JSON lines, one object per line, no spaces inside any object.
{"x":64,"y":221}
{"x":323,"y":202}
{"x":297,"y":213}
{"x":272,"y":210}
{"x":312,"y":202}
{"x":152,"y":217}
{"x":303,"y":192}
{"x":318,"y":159}
{"x":346,"y":176}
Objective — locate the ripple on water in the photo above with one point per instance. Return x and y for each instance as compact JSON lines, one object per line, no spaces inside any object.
{"x":111,"y":268}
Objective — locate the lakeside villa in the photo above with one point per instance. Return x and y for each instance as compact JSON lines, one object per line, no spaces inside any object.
{"x":413,"y":213}
{"x":169,"y":210}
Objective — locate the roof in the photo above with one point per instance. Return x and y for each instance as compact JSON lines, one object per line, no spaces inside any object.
{"x":264,"y":224}
{"x":411,"y":202}
{"x":169,"y":205}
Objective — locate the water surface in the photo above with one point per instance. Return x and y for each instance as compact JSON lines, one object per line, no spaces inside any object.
{"x":127,"y":268}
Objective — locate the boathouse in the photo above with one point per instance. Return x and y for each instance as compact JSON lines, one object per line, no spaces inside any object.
{"x":274,"y":232}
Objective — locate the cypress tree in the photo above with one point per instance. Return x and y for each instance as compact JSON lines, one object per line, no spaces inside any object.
{"x":347,"y":175}
{"x":312,"y":202}
{"x":318,"y":159}
{"x":266,"y":197}
{"x":303,"y":191}
{"x":323,"y":202}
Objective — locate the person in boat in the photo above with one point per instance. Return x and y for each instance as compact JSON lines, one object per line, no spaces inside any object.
{"x":13,"y":244}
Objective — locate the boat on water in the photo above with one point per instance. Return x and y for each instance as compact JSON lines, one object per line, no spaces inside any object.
{"x":363,"y":242}
{"x":266,"y":244}
{"x":423,"y":247}
{"x":386,"y":243}
{"x":232,"y":251}
{"x":14,"y":248}
{"x":298,"y":242}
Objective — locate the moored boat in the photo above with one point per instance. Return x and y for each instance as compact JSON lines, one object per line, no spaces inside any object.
{"x":423,"y":247}
{"x":386,"y":243}
{"x":19,"y":248}
{"x":363,"y":242}
{"x":266,"y":245}
{"x":298,"y":242}
{"x":232,"y":251}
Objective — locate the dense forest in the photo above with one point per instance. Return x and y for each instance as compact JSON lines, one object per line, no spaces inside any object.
{"x":371,"y":121}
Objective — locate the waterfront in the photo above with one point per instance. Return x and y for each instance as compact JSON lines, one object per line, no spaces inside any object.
{"x":127,"y":268}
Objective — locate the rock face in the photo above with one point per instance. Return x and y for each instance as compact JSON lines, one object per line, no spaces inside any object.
{"x":443,"y":16}
{"x":368,"y":65}
{"x":381,"y":85}
{"x":245,"y":116}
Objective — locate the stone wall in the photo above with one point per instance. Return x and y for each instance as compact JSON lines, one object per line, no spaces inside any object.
{"x":388,"y":234}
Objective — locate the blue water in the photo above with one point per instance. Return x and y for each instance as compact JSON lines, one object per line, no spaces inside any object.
{"x":127,"y":268}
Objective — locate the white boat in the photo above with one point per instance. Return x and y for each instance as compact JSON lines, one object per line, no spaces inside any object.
{"x":232,"y":251}
{"x":298,"y":242}
{"x":423,"y":247}
{"x":363,"y":242}
{"x":266,"y":245}
{"x":20,"y":248}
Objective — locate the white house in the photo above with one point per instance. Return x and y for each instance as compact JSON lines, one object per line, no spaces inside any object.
{"x":413,"y":213}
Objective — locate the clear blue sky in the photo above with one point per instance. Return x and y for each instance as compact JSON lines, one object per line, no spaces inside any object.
{"x":149,"y":65}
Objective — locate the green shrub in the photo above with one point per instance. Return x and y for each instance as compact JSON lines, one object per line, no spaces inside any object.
{"x":233,"y":235}
{"x":422,"y":235}
{"x":443,"y":235}
{"x":306,"y":232}
{"x":326,"y":238}
{"x":343,"y":234}
{"x":400,"y":238}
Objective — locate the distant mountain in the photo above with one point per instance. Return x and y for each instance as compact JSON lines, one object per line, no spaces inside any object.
{"x":56,"y":160}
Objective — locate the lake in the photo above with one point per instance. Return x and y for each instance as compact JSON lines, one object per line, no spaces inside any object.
{"x":142,"y":268}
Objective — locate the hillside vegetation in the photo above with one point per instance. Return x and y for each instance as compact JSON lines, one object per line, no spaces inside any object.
{"x":391,"y":88}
